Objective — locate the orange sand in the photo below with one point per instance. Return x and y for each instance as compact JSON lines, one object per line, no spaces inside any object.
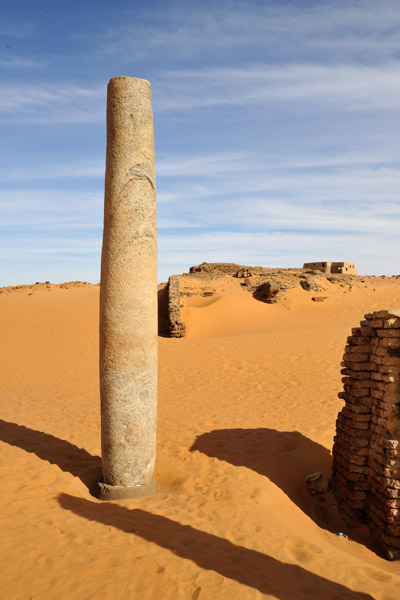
{"x":247,"y":408}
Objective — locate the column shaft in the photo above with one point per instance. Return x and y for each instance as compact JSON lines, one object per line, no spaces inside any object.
{"x":128,"y":292}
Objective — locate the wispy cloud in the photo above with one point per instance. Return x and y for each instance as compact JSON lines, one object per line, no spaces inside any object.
{"x":20,"y":62}
{"x":278,"y":30}
{"x":50,"y":171}
{"x":276,"y":133}
{"x":345,"y":87}
{"x":17,"y":28}
{"x":50,"y":103}
{"x":50,"y":209}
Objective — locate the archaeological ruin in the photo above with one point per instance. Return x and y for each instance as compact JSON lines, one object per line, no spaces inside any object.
{"x":176,"y":327}
{"x":345,"y":268}
{"x":128,"y":295}
{"x":366,"y":451}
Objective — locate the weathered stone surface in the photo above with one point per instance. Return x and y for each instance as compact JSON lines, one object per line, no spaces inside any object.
{"x":355,"y":357}
{"x":350,"y":466}
{"x":357,"y":383}
{"x":388,"y":333}
{"x":391,"y":323}
{"x":363,"y":331}
{"x":356,"y":366}
{"x":309,"y":285}
{"x":357,"y":340}
{"x":268,"y":292}
{"x":351,"y":457}
{"x":357,"y":392}
{"x":356,"y":374}
{"x":355,"y":416}
{"x":128,"y":291}
{"x":383,"y":314}
{"x":175,"y":324}
{"x":389,"y":342}
{"x":366,"y":452}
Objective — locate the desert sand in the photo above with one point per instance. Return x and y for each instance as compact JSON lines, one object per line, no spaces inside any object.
{"x":247,"y":408}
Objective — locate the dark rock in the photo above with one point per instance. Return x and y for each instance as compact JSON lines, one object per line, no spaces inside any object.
{"x":268,"y":292}
{"x":309,"y":285}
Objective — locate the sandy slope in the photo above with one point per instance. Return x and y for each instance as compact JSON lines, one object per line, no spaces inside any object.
{"x":247,"y":407}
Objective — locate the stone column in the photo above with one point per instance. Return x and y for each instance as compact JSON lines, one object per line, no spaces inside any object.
{"x":128,"y":295}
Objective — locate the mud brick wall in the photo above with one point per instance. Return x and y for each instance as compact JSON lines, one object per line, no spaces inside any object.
{"x":366,"y":451}
{"x":175,"y":324}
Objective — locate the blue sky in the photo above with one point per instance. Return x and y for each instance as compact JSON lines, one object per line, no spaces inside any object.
{"x":276,"y":131}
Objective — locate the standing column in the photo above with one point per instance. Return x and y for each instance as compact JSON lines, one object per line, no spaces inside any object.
{"x":128,"y":295}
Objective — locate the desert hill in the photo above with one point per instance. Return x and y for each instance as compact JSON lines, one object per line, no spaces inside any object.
{"x":247,"y":408}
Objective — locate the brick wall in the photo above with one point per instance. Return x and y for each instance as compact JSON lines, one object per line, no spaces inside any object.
{"x":366,"y":451}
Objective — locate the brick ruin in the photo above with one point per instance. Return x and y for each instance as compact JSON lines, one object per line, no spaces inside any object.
{"x":176,"y":326}
{"x":332,"y":267}
{"x":366,"y":451}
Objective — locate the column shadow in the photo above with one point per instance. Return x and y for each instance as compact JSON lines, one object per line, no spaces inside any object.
{"x":248,"y":567}
{"x":285,"y":457}
{"x":66,"y":456}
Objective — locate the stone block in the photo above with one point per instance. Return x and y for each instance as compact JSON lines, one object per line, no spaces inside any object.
{"x":349,"y":466}
{"x":388,"y":333}
{"x":356,"y":374}
{"x":357,"y":383}
{"x":391,"y":323}
{"x":389,"y":342}
{"x":359,"y":436}
{"x":357,"y":357}
{"x":355,"y":416}
{"x":376,"y":323}
{"x":357,"y":392}
{"x":349,"y":456}
{"x":356,"y":366}
{"x":363,"y":331}
{"x":383,"y":314}
{"x":357,"y":340}
{"x":391,"y":360}
{"x":389,"y":387}
{"x":347,"y":442}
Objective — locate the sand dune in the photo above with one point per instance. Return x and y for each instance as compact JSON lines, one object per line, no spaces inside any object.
{"x":247,"y":408}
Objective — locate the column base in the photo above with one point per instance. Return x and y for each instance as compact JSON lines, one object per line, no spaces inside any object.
{"x":120,"y":492}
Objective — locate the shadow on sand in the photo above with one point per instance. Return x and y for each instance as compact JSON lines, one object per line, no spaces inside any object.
{"x":210,"y":552}
{"x":66,"y":456}
{"x":285,"y":457}
{"x":248,"y":567}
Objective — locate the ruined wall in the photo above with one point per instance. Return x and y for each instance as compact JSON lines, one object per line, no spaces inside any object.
{"x":332,"y":267}
{"x":344,"y":267}
{"x":176,"y":325}
{"x":366,"y":452}
{"x":324,"y":267}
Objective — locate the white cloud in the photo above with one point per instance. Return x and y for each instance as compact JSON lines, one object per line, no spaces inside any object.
{"x":50,"y":209}
{"x":336,"y":29}
{"x":48,"y":171}
{"x":286,"y":249}
{"x":50,"y":103}
{"x":21,"y":28}
{"x":346,"y":87}
{"x":21,"y":62}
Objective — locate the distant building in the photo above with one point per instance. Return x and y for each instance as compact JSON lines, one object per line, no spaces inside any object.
{"x":332,"y":267}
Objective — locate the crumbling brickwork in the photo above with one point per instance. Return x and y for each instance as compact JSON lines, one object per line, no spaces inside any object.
{"x":176,"y":325}
{"x":366,"y":452}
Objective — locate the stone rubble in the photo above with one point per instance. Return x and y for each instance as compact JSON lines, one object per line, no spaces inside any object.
{"x":366,"y":451}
